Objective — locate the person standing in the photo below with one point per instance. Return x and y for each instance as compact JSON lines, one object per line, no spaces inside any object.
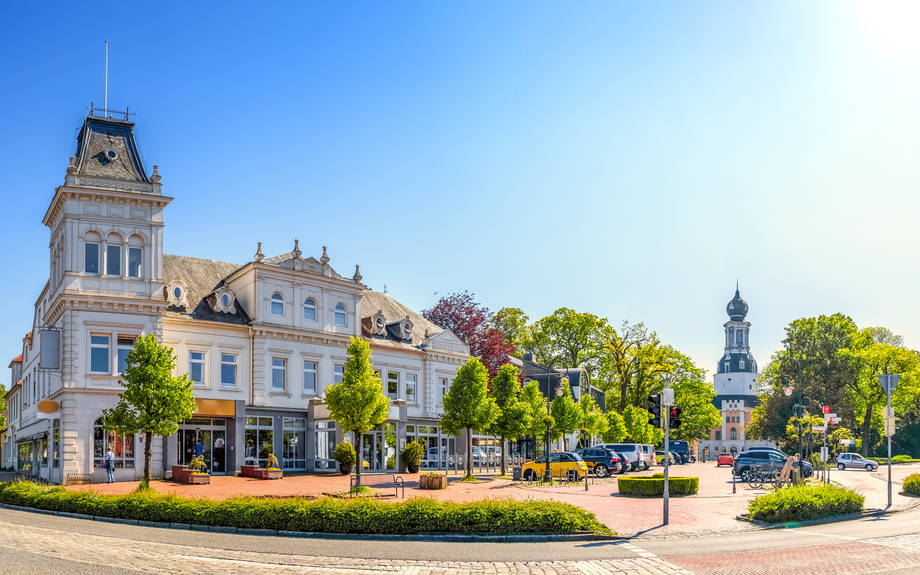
{"x":199,"y":448}
{"x":109,"y":464}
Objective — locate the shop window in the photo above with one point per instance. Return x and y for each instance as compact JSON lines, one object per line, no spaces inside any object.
{"x":43,"y":451}
{"x":259,"y":440}
{"x":293,"y":444}
{"x":323,"y":445}
{"x":122,"y":445}
{"x":56,"y":444}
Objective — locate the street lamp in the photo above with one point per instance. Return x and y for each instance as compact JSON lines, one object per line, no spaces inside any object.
{"x":799,"y":407}
{"x":548,"y":475}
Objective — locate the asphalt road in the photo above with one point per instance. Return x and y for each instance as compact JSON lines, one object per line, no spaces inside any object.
{"x":889,"y":544}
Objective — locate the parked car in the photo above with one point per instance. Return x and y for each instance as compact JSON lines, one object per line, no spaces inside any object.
{"x":855,"y":461}
{"x":633,"y":453}
{"x":725,"y":459}
{"x":659,"y":457}
{"x":751,"y":460}
{"x":648,"y":454}
{"x":559,"y":464}
{"x":681,"y":448}
{"x":602,"y":461}
{"x":624,"y":463}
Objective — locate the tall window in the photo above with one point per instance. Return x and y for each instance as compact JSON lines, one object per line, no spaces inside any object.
{"x":122,"y":446}
{"x":338,"y":373}
{"x":277,"y":304}
{"x":443,"y":387}
{"x":125,"y":344}
{"x":740,"y":364}
{"x":196,"y":367}
{"x":113,"y":260}
{"x":294,"y":444}
{"x":135,"y":258}
{"x":392,"y":385}
{"x":278,"y":366}
{"x":339,"y":314}
{"x":227,"y":370}
{"x":733,"y":434}
{"x":739,"y":337}
{"x":727,"y":366}
{"x":719,"y":435}
{"x":91,"y":258}
{"x":410,"y":388}
{"x":309,"y":310}
{"x":259,"y":440}
{"x":309,"y":378}
{"x":99,"y":354}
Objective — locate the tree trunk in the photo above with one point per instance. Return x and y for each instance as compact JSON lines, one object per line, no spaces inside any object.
{"x":359,"y":463}
{"x":147,"y":442}
{"x":469,"y":452}
{"x":503,"y":455}
{"x":867,"y":428}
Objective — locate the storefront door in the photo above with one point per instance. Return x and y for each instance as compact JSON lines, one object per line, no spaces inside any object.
{"x":205,"y":437}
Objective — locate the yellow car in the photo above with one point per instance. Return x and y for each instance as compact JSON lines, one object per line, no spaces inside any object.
{"x":560,"y":464}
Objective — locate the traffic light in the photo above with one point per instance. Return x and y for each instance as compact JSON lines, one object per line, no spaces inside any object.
{"x":674,"y":417}
{"x":654,"y":410}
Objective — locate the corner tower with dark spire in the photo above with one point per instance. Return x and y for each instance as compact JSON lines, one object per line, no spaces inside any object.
{"x":737,"y":357}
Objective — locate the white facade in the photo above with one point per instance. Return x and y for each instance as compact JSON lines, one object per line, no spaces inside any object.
{"x":261,"y":340}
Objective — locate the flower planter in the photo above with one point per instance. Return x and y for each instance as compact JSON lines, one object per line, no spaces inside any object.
{"x":432,"y":481}
{"x":199,"y":479}
{"x":183,"y":474}
{"x":269,"y":473}
{"x":413,"y":468}
{"x":248,"y":470}
{"x":346,"y":469}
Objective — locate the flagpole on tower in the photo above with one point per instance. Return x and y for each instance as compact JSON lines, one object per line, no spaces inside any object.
{"x":105,"y":99}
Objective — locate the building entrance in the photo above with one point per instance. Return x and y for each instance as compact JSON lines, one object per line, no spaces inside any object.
{"x":378,"y":448}
{"x":206,"y":437}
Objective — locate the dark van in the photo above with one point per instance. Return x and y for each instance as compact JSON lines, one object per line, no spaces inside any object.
{"x":681,"y":447}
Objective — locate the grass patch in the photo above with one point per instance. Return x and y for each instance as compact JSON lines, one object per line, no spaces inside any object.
{"x":326,"y":515}
{"x":804,"y":502}
{"x":470,"y":479}
{"x":654,"y":486}
{"x":895,"y":459}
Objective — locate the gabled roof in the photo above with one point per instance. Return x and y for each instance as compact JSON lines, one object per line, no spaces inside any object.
{"x":201,"y":278}
{"x":17,"y":359}
{"x":374,"y":301}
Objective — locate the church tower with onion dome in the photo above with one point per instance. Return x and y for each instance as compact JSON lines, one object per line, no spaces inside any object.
{"x":736,"y":384}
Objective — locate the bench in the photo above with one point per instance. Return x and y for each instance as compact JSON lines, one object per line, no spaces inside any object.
{"x":383,"y":479}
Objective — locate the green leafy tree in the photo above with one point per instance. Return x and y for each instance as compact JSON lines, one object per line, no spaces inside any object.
{"x":593,"y":419}
{"x":534,"y":403}
{"x":467,"y":406}
{"x":693,"y":394}
{"x":153,"y":401}
{"x":3,"y":406}
{"x":568,"y":338}
{"x":357,"y":402}
{"x":512,"y":322}
{"x":512,"y":414}
{"x":616,"y":428}
{"x":566,"y":414}
{"x":833,"y":440}
{"x":623,"y":364}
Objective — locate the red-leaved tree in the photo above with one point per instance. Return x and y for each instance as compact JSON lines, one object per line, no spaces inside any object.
{"x":460,"y":313}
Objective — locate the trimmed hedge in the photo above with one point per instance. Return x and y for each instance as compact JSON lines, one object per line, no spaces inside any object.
{"x":912,"y":484}
{"x":654,"y":486}
{"x":327,"y":515}
{"x":803,"y":502}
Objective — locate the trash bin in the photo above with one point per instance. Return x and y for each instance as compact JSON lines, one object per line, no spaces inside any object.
{"x":796,"y":476}
{"x":516,"y":473}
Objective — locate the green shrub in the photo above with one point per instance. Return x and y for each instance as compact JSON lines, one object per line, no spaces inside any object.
{"x":327,"y":515}
{"x":802,"y":502}
{"x":912,"y":484}
{"x":654,"y":486}
{"x":344,"y":453}
{"x":413,"y":453}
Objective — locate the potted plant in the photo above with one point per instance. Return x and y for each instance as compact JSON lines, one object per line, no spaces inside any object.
{"x":432,"y":481}
{"x":272,"y":468}
{"x":344,"y":453}
{"x":198,"y":475}
{"x":412,"y":456}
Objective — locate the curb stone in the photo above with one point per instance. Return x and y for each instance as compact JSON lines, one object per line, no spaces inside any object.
{"x":445,"y":537}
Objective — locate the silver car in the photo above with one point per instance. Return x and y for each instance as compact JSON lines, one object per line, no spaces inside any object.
{"x":855,"y":461}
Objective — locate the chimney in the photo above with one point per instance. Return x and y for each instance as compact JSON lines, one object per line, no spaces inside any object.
{"x":528,"y":356}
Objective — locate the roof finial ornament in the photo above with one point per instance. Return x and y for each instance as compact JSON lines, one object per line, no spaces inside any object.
{"x":325,"y":259}
{"x":357,"y":276}
{"x":259,"y":255}
{"x":155,"y":177}
{"x":72,"y":168}
{"x":297,"y":251}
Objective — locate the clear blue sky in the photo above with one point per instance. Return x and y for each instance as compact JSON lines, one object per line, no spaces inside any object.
{"x":627,"y":159}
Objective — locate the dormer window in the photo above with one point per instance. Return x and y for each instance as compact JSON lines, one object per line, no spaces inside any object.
{"x":177,"y":292}
{"x":277,"y":304}
{"x":741,"y":364}
{"x":340,"y":315}
{"x":309,"y":310}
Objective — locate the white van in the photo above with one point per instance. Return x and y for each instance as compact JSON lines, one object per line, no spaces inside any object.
{"x":639,"y":456}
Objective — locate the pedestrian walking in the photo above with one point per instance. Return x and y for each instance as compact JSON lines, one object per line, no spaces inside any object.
{"x":109,"y":464}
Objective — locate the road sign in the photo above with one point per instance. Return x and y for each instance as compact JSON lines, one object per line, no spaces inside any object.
{"x":832,"y":415}
{"x":848,"y":442}
{"x":824,"y":453}
{"x":667,"y":396}
{"x":889,"y":381}
{"x":890,"y":426}
{"x":827,"y":409}
{"x":817,"y":428}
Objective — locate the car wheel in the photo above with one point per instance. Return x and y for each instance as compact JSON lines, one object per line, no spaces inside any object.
{"x":870,"y":468}
{"x":745,"y":475}
{"x":600,"y":470}
{"x":529,"y":475}
{"x":841,"y":466}
{"x":644,"y":466}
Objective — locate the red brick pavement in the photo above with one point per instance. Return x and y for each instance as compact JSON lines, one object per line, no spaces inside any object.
{"x":839,"y":559}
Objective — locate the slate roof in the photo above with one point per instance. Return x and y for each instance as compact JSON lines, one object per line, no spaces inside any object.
{"x":98,"y":135}
{"x":201,"y":277}
{"x":372,"y":301}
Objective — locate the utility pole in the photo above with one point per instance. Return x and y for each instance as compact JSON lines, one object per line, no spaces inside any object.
{"x":889,"y":382}
{"x":667,"y":400}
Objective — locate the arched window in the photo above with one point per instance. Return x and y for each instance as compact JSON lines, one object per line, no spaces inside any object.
{"x":277,"y":304}
{"x":91,"y":243}
{"x":309,"y":310}
{"x":339,"y":314}
{"x":135,"y":256}
{"x":113,"y":255}
{"x":121,"y":445}
{"x":734,"y":434}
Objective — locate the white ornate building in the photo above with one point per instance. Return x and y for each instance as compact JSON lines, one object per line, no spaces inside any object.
{"x":736,"y":385}
{"x":261,"y":340}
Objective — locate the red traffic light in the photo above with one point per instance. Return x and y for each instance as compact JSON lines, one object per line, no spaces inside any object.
{"x":827,"y":409}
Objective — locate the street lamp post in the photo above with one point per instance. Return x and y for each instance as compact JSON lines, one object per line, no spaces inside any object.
{"x":799,"y":407}
{"x":548,"y":475}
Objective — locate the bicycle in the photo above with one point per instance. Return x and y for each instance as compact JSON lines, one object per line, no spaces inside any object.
{"x":757,"y":479}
